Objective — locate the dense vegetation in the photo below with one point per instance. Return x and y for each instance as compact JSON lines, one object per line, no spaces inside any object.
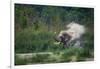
{"x":35,"y":28}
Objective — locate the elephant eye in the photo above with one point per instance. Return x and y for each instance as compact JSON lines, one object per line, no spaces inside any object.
{"x":61,"y":37}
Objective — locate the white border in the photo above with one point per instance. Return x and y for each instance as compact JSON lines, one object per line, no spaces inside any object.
{"x":73,"y":3}
{"x":12,"y":36}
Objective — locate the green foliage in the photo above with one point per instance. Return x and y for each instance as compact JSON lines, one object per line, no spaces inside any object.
{"x":36,"y":27}
{"x":19,"y":61}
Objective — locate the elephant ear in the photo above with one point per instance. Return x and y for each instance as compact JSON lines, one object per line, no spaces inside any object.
{"x":71,"y":33}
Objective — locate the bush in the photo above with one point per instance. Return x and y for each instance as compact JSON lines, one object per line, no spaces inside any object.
{"x":32,"y":41}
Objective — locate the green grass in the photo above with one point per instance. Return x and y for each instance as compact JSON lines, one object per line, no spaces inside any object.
{"x":67,"y":55}
{"x":33,"y":41}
